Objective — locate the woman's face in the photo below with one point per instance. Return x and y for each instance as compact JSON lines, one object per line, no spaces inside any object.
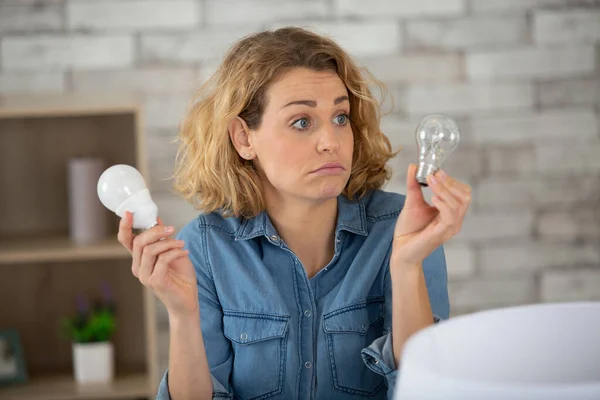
{"x":305,"y":126}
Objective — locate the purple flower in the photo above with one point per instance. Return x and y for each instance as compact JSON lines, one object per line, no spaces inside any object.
{"x":82,"y":304}
{"x":106,"y":292}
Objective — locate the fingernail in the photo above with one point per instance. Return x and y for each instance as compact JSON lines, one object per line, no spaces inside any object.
{"x":169,"y":229}
{"x":433,"y":179}
{"x":442,"y":175}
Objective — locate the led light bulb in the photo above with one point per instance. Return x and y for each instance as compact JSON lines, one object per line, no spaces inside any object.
{"x":437,"y":136}
{"x":123,"y":188}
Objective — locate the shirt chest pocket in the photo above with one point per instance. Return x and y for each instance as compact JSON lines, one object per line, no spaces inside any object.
{"x":348,"y":331}
{"x":259,"y":347}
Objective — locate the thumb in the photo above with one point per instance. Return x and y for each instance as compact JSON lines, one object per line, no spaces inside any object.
{"x":414,"y":194}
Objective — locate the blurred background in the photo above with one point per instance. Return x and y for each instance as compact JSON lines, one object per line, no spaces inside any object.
{"x":521,"y":77}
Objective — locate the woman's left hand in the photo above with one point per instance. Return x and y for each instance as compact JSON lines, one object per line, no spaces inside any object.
{"x":420,"y":227}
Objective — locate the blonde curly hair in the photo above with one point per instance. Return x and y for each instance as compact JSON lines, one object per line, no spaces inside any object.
{"x":210,"y":173}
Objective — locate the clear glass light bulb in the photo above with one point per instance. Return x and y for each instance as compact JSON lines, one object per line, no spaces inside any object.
{"x":437,"y":136}
{"x":123,"y":188}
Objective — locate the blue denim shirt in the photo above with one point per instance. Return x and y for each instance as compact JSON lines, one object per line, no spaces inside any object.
{"x":270,"y":332}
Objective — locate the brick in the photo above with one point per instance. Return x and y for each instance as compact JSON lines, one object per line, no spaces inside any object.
{"x":531,"y":63}
{"x":192,"y":47}
{"x":30,"y":18}
{"x":573,"y":225}
{"x":516,"y":160}
{"x":361,"y":38}
{"x":483,"y":32}
{"x":567,"y":26}
{"x":416,"y":68}
{"x":460,"y":260}
{"x":571,"y":92}
{"x":398,"y":8}
{"x":524,"y":257}
{"x":36,"y":82}
{"x":557,"y":125}
{"x":257,"y":11}
{"x":60,"y":52}
{"x":400,"y":131}
{"x":493,"y":226}
{"x":491,"y":292}
{"x":579,"y":285}
{"x":132,"y":15}
{"x":165,"y":110}
{"x":513,"y":5}
{"x":575,"y":158}
{"x":468,"y":98}
{"x":508,"y":193}
{"x":145,"y":80}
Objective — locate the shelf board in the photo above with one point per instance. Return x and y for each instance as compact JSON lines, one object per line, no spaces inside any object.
{"x":63,"y":387}
{"x":26,"y":250}
{"x":19,"y":106}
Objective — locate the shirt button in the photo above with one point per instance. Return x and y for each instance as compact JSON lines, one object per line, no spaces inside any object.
{"x":307,"y":364}
{"x":364,"y":328}
{"x":307,"y":313}
{"x":244,"y":336}
{"x":275,"y":238}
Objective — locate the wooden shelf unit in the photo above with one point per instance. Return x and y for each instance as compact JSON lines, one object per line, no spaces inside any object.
{"x":41,"y":269}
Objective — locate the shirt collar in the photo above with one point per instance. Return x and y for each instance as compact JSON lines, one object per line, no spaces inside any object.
{"x":351,"y":217}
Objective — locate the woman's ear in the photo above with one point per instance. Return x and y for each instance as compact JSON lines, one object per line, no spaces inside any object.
{"x":239,"y":134}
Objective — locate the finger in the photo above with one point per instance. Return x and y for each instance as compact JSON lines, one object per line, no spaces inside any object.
{"x":159,"y":220}
{"x":145,"y":238}
{"x":158,"y":277}
{"x":440,"y":190}
{"x":414,"y":193}
{"x":125,"y":235}
{"x":151,"y":253}
{"x":451,"y":182}
{"x":446,"y":217}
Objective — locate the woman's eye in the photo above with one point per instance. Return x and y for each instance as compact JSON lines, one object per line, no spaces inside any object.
{"x":301,"y":124}
{"x":341,"y":119}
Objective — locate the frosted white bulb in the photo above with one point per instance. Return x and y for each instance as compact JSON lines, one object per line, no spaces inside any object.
{"x":437,"y":136}
{"x":123,"y":188}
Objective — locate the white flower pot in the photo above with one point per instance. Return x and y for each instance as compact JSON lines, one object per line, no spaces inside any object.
{"x":93,"y":362}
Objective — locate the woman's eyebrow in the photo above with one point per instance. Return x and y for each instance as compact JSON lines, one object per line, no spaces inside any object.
{"x":313,"y":104}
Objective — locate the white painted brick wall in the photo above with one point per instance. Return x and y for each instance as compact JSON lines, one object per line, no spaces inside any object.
{"x":471,"y":33}
{"x":398,"y":8}
{"x":133,"y":15}
{"x":531,"y":63}
{"x":570,"y":26}
{"x":552,"y":125}
{"x":579,"y":285}
{"x":262,"y":11}
{"x":468,"y":98}
{"x":522,"y":78}
{"x":60,"y":52}
{"x":32,"y":82}
{"x":569,"y":92}
{"x":525,"y":257}
{"x":18,"y":17}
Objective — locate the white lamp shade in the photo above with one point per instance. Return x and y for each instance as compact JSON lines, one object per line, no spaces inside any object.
{"x":546,"y":351}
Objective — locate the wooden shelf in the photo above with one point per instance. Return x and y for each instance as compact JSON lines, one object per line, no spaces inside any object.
{"x":27,"y":106}
{"x":25,"y":250}
{"x":63,"y":387}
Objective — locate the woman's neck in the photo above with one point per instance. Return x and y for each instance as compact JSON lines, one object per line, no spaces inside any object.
{"x":307,"y":228}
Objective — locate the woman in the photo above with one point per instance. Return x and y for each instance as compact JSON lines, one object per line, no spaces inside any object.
{"x":290,"y":283}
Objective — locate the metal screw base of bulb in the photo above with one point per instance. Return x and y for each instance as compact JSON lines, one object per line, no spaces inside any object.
{"x":423,"y":171}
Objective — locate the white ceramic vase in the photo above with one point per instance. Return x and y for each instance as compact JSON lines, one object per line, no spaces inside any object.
{"x":93,"y":362}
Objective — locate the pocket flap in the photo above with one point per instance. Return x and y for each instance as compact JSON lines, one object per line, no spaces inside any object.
{"x":354,"y":319}
{"x":246,"y":328}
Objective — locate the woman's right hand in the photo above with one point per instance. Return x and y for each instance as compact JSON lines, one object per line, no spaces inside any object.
{"x":162,"y":265}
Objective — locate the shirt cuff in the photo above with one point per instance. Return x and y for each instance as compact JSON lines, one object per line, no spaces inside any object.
{"x":219,"y":392}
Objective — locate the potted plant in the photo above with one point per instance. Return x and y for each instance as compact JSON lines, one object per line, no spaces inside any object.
{"x":90,"y":330}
